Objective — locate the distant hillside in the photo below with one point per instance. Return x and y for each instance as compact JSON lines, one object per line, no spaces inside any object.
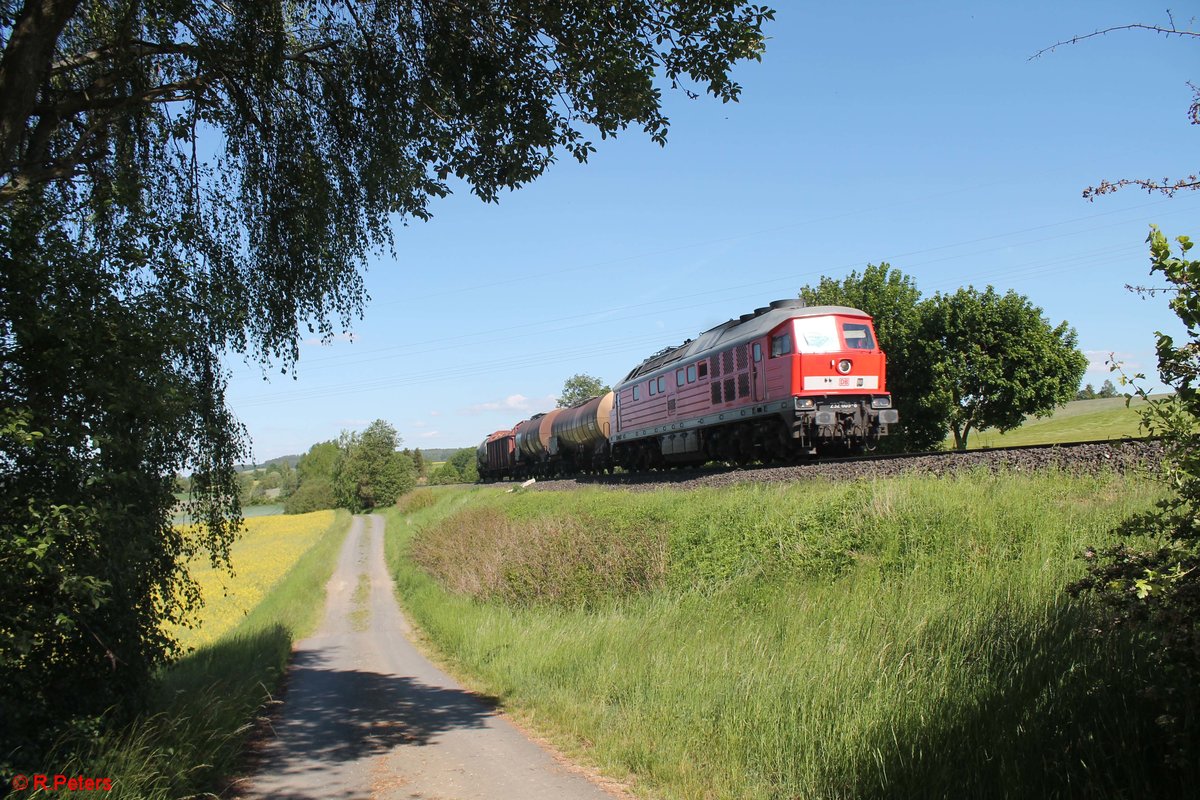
{"x":1077,"y":421}
{"x":289,"y":460}
{"x":439,"y":453}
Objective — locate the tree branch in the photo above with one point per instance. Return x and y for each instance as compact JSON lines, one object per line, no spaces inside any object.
{"x":1168,"y":31}
{"x":25,"y":66}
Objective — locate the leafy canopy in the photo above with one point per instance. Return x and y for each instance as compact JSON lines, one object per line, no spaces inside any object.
{"x":1154,"y":588}
{"x":993,"y":359}
{"x":580,"y":387}
{"x":184,"y":178}
{"x":370,"y":471}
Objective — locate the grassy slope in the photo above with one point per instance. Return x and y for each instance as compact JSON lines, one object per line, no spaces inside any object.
{"x":888,"y":639}
{"x":1077,"y":421}
{"x":193,"y":735}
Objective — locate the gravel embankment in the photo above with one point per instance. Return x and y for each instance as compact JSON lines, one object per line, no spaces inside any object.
{"x":1118,"y":456}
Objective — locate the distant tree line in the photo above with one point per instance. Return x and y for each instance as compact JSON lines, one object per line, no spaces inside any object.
{"x":358,"y":471}
{"x":1089,"y":392}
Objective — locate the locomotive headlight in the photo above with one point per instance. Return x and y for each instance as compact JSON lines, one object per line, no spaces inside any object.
{"x":881,"y":402}
{"x":805,"y":403}
{"x":844,"y":366}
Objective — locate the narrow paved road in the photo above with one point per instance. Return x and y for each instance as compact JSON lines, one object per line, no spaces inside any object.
{"x":366,"y":716}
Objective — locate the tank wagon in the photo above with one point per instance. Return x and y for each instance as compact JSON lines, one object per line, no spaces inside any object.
{"x":783,"y":381}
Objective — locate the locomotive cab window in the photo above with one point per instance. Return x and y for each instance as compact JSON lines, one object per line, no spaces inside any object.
{"x":781,"y":345}
{"x":702,"y":369}
{"x":757,"y":352}
{"x":691,"y":373}
{"x":636,"y":394}
{"x":857,"y":336}
{"x":679,"y":379}
{"x":653,"y":387}
{"x":662,"y":383}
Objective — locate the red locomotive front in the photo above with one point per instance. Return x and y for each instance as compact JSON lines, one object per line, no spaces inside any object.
{"x":782,"y":381}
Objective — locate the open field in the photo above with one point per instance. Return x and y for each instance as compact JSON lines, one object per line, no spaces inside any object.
{"x":267,"y":549}
{"x":1077,"y":421}
{"x":192,"y":736}
{"x":891,"y":638}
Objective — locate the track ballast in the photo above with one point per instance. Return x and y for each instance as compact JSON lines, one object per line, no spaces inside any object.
{"x":1074,"y":457}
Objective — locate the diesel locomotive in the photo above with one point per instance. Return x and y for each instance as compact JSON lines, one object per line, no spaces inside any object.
{"x":782,"y":382}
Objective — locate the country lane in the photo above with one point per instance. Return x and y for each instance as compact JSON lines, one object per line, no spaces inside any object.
{"x":368,"y":717}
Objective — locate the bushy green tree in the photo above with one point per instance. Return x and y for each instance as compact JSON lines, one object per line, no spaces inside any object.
{"x":990,"y":360}
{"x":461,"y":467}
{"x":183,"y":179}
{"x":314,"y":475}
{"x":580,"y":387}
{"x":893,"y":301}
{"x":103,"y":402}
{"x":371,"y":472}
{"x":445,"y":474}
{"x":1153,"y":590}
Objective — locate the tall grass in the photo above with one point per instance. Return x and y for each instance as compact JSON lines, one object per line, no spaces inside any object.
{"x":206,"y":705}
{"x":898,"y":638}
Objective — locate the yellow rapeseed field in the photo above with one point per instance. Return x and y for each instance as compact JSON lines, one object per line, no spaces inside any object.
{"x":267,"y":549}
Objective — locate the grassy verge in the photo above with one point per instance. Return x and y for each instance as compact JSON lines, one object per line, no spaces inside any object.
{"x":205,"y":706}
{"x":900,"y":638}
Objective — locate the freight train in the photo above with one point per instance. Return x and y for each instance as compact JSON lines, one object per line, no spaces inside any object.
{"x":782,"y":382}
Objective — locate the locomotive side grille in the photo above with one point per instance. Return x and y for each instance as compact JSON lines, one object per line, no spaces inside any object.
{"x":715,"y":369}
{"x":727,"y":358}
{"x":716,"y":393}
{"x":743,"y":385}
{"x":741,"y":356}
{"x":671,"y":406}
{"x":729,"y":389}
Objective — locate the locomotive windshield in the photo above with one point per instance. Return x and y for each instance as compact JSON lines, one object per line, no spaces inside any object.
{"x":858,"y":336}
{"x":817,"y":335}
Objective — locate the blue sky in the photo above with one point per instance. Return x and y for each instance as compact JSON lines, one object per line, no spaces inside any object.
{"x":918,"y":134}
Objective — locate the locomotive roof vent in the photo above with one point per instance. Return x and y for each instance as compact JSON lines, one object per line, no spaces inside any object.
{"x":745,"y":317}
{"x":758,"y":312}
{"x":789,"y":302}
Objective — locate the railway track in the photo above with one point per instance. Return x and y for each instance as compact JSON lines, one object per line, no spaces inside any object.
{"x":1075,"y":457}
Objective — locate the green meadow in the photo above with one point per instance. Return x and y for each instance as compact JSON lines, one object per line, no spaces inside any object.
{"x":1077,"y":421}
{"x":909,"y":637}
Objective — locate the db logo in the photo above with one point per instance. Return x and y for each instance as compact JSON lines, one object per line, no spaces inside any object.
{"x":20,"y":783}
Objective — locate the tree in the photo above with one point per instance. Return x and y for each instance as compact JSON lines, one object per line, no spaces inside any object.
{"x":183,"y":179}
{"x":460,"y":467}
{"x":893,"y":301}
{"x":465,"y":463}
{"x":580,"y":387}
{"x":102,"y":402}
{"x":1107,"y":390}
{"x":314,"y":471}
{"x":1088,"y":392}
{"x":418,"y":462}
{"x":993,"y":359}
{"x":1153,"y":587}
{"x":371,"y":473}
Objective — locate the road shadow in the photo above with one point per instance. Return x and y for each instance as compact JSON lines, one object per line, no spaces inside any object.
{"x":337,"y":715}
